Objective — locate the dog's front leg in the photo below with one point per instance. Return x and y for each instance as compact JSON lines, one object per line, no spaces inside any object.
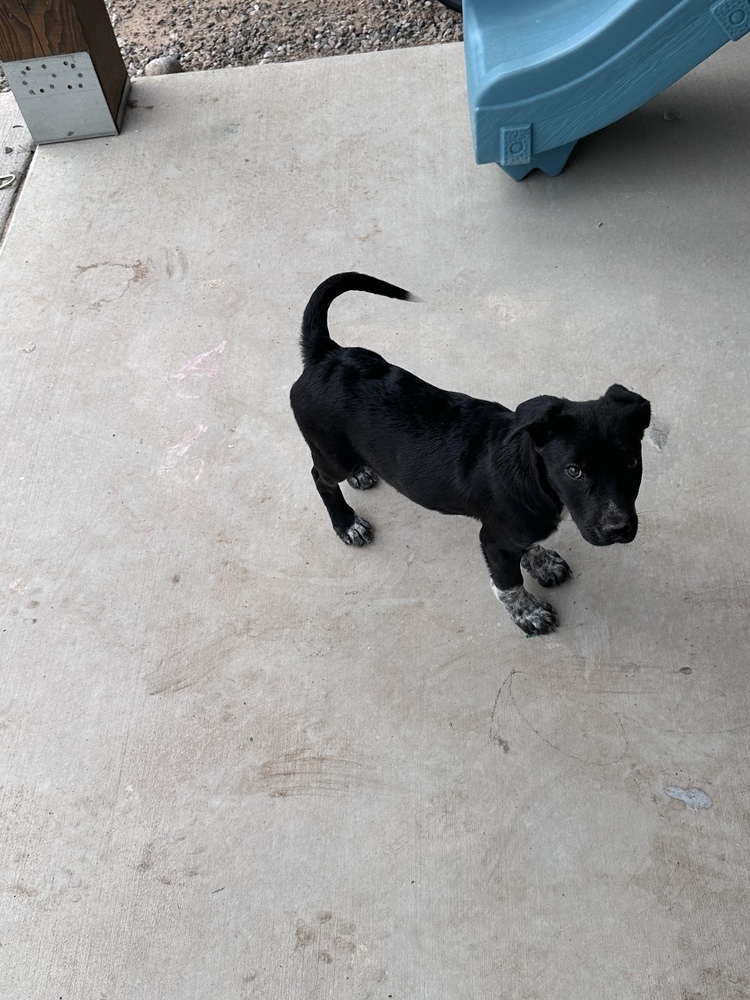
{"x":534,"y":617}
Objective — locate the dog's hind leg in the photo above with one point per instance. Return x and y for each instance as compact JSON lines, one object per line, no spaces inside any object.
{"x":349,"y":526}
{"x":546,"y":566}
{"x":362,"y":479}
{"x":534,"y":617}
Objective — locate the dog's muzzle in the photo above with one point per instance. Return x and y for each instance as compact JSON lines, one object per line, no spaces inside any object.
{"x":612,"y":532}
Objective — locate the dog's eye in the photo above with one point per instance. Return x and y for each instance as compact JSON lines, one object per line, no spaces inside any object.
{"x":633,"y":463}
{"x":573,"y":472}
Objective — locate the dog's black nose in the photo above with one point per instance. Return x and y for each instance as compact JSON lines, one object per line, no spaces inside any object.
{"x":620,"y":530}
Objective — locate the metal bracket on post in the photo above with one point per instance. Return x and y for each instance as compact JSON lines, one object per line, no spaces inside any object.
{"x":65,"y":91}
{"x":64,"y":66}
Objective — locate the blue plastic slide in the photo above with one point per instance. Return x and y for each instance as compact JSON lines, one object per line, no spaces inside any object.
{"x":543,"y":73}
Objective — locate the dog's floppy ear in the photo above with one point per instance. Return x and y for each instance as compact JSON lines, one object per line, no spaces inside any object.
{"x":540,"y":417}
{"x":637,"y":408}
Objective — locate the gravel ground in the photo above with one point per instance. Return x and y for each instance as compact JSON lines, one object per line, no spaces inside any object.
{"x":210,"y":34}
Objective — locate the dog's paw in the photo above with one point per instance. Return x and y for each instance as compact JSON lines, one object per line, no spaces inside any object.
{"x":534,"y":617}
{"x":359,"y":533}
{"x":363,"y":479}
{"x":546,"y":566}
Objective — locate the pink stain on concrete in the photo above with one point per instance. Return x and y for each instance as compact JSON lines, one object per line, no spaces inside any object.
{"x":187,"y":442}
{"x":196,"y":369}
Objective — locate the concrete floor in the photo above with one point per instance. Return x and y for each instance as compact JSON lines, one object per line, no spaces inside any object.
{"x":241,"y":760}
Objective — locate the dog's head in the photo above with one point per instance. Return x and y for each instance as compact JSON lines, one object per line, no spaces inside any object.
{"x":592,"y":456}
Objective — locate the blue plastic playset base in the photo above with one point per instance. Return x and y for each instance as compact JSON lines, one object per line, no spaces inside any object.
{"x":542,"y":74}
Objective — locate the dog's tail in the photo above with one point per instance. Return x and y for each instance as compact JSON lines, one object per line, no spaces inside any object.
{"x":316,"y":340}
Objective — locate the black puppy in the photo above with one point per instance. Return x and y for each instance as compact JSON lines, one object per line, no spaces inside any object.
{"x":364,"y":418}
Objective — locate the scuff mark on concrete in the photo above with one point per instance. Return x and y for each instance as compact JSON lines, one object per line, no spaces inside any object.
{"x":187,"y":441}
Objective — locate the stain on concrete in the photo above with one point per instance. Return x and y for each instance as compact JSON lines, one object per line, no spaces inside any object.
{"x":147,"y":861}
{"x":159,"y":861}
{"x":304,"y":934}
{"x":694,"y":798}
{"x":714,"y":981}
{"x":197,"y":368}
{"x":658,"y":435}
{"x":105,"y":281}
{"x":177,"y":264}
{"x":19,"y":889}
{"x":333,"y":939}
